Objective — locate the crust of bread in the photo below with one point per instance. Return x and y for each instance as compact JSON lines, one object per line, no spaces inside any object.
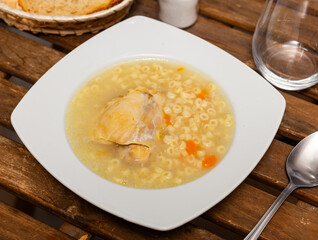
{"x":65,"y":7}
{"x":10,"y":3}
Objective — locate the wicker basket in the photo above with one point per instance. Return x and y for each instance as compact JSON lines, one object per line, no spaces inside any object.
{"x":65,"y":25}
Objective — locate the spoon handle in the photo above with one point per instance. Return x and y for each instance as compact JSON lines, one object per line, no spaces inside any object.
{"x":259,"y":227}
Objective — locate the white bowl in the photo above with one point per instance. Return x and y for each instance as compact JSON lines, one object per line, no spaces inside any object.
{"x":39,"y":120}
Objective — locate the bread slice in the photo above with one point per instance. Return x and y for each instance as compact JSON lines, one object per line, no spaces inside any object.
{"x":65,"y":7}
{"x":11,"y":3}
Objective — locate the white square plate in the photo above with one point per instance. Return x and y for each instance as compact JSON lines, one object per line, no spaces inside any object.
{"x":39,"y":121}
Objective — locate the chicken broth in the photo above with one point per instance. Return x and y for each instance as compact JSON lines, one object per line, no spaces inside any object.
{"x":150,"y":124}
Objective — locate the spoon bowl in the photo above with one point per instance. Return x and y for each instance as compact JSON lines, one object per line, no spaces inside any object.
{"x":302,"y":162}
{"x":302,"y":170}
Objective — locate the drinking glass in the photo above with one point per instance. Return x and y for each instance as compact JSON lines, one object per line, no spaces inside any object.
{"x":285,"y":43}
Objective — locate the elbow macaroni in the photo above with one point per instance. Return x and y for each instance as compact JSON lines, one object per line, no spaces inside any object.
{"x":208,"y":122}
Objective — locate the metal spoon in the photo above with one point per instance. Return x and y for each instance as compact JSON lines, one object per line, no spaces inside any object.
{"x":302,"y":170}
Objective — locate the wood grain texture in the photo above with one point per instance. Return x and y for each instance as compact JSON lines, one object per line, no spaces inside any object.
{"x":24,"y":58}
{"x":242,"y":209}
{"x":307,"y":206}
{"x":271,"y":171}
{"x":10,"y":95}
{"x":68,"y":42}
{"x":22,"y":174}
{"x":16,"y":225}
{"x":300,"y":118}
{"x":4,"y":75}
{"x":243,"y":14}
{"x":75,"y":232}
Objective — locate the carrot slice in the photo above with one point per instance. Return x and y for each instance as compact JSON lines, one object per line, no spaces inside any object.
{"x":209,"y":161}
{"x":180,"y":69}
{"x":191,"y":147}
{"x":167,"y":119}
{"x":203,"y":94}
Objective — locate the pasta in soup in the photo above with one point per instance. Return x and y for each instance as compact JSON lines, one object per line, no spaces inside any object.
{"x":150,"y":123}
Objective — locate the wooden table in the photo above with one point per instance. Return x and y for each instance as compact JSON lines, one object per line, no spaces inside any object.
{"x":228,"y":24}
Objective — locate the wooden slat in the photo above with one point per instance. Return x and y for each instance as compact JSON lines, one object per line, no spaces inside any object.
{"x":300,"y":118}
{"x":233,"y":41}
{"x":311,"y":92}
{"x":75,"y":232}
{"x":24,"y":58}
{"x":240,"y":13}
{"x":10,"y":95}
{"x":3,"y":75}
{"x":271,"y":171}
{"x":242,"y":209}
{"x":67,"y":42}
{"x":16,"y":225}
{"x":22,"y":174}
{"x":244,"y":14}
{"x":307,"y":206}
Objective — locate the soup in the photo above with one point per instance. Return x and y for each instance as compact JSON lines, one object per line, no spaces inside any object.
{"x":150,"y":123}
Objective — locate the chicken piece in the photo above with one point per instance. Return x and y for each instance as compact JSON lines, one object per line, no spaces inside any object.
{"x":131,"y":120}
{"x":134,"y":154}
